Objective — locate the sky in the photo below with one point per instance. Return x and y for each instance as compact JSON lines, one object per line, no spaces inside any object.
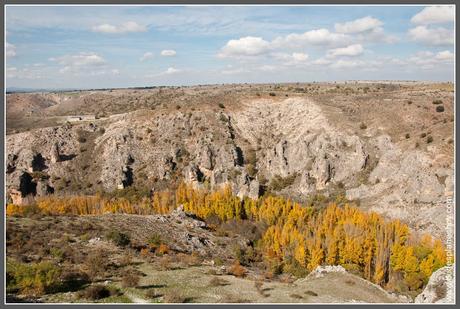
{"x":129,"y":46}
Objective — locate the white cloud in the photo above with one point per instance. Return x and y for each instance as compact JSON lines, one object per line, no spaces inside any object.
{"x":351,"y":50}
{"x":312,"y":37}
{"x":146,"y":56}
{"x":81,"y":59}
{"x":346,"y":64}
{"x":434,"y":15}
{"x":86,"y":63}
{"x":268,"y":68}
{"x":246,"y":46}
{"x":168,"y":52}
{"x":359,"y":25}
{"x":10,"y":50}
{"x":322,"y":61}
{"x":445,"y":56}
{"x":432,"y":36}
{"x":428,"y":60}
{"x":171,"y":70}
{"x":130,"y":26}
{"x":115,"y":72}
{"x":292,"y":59}
{"x":24,"y":73}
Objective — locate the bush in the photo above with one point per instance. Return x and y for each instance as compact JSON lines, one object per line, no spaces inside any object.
{"x":154,"y":240}
{"x":96,"y":292}
{"x":439,"y":108}
{"x":436,"y":102}
{"x":130,"y":279}
{"x":407,"y":135}
{"x":95,"y":264}
{"x":362,"y":126}
{"x":293,"y":267}
{"x":272,"y":94}
{"x":221,"y":105}
{"x":278,"y":183}
{"x":33,"y":279}
{"x":163,"y":249}
{"x":237,"y":270}
{"x":118,"y":238}
{"x":429,"y":139}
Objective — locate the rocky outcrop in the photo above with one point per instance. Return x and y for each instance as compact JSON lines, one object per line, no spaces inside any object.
{"x":440,"y":287}
{"x":292,"y":140}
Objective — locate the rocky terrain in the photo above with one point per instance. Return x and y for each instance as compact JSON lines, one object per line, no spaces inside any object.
{"x":197,"y":267}
{"x":389,"y":146}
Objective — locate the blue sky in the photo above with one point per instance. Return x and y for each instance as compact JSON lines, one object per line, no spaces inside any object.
{"x":125,"y":46}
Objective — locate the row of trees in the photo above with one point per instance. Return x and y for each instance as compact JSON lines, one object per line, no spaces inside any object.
{"x":382,"y":251}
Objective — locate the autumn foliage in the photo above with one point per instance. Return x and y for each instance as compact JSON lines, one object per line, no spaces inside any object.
{"x":382,"y":251}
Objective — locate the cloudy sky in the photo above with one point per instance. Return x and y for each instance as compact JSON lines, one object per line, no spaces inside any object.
{"x":125,"y":46}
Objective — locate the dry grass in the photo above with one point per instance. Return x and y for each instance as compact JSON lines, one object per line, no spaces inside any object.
{"x":216,"y":281}
{"x":174,"y":296}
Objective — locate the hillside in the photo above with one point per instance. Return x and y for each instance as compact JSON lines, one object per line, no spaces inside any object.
{"x":388,"y":146}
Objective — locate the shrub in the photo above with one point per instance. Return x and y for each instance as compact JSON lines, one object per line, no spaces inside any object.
{"x":272,"y":94}
{"x":436,"y":102}
{"x":407,"y":135}
{"x":278,"y":183}
{"x":154,"y":240}
{"x":130,"y":279}
{"x":293,"y":267}
{"x":95,"y":264}
{"x":439,"y":108}
{"x":33,"y":279}
{"x":237,"y":270}
{"x":96,"y":292}
{"x":429,"y":139}
{"x":163,"y":249}
{"x":221,"y":105}
{"x":118,"y":238}
{"x":363,"y":126}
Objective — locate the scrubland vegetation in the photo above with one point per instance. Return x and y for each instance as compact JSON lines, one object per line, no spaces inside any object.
{"x":294,"y":239}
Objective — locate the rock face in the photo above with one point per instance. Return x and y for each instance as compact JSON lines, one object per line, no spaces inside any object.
{"x":440,"y":287}
{"x":295,"y":141}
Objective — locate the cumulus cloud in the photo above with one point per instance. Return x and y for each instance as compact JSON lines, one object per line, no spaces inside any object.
{"x":428,"y":60}
{"x":359,"y":25}
{"x":146,"y":56}
{"x":312,"y":37}
{"x":10,"y":50}
{"x":432,"y":36}
{"x":130,"y":26}
{"x":350,"y":50}
{"x":87,"y":63}
{"x":168,"y":53}
{"x":81,"y":59}
{"x":243,"y":47}
{"x":445,"y":56}
{"x":292,"y":59}
{"x":434,"y":15}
